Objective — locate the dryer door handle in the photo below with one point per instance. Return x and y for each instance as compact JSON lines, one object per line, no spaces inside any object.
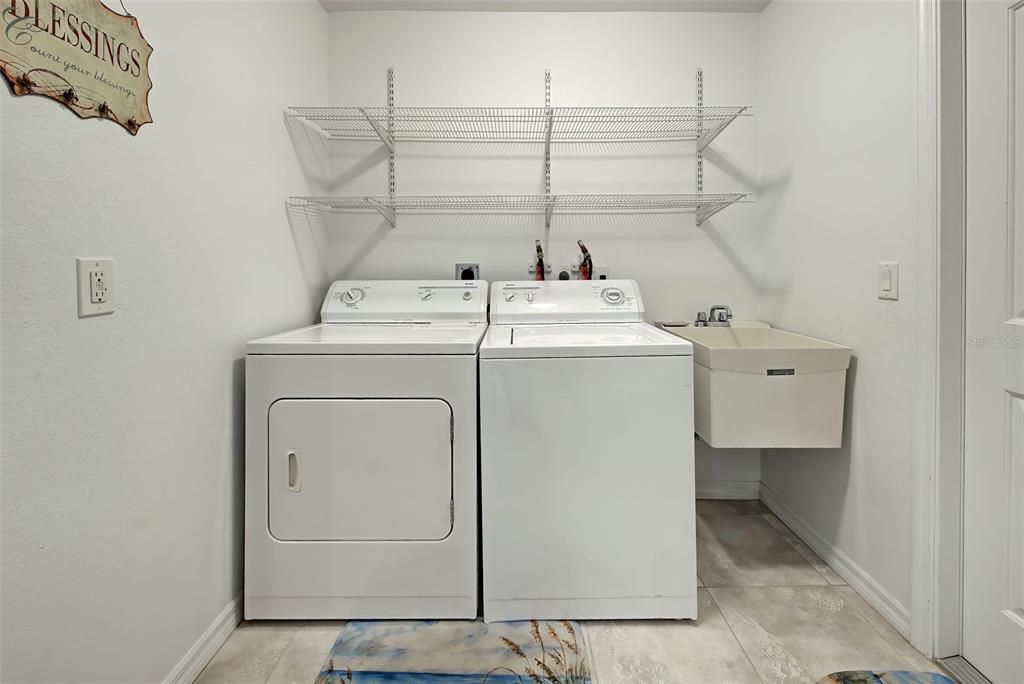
{"x":293,"y":463}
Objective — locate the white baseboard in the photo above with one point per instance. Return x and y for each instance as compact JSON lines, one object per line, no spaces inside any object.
{"x":727,"y":489}
{"x":859,"y":580}
{"x":202,"y":652}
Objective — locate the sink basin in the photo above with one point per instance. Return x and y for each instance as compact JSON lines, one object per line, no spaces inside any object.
{"x":756,"y":350}
{"x":766,"y":388}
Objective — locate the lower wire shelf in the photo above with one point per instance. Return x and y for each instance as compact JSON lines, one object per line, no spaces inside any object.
{"x":704,"y":205}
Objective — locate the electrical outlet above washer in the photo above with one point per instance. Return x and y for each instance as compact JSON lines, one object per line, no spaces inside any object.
{"x":95,"y":286}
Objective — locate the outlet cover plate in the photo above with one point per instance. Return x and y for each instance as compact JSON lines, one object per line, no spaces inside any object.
{"x":532,"y":268}
{"x":95,"y":286}
{"x":889,"y":280}
{"x":461,"y":270}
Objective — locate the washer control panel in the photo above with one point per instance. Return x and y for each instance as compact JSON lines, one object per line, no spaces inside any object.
{"x":405,"y":301}
{"x":566,"y":301}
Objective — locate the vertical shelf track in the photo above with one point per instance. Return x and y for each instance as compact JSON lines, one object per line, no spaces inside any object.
{"x":700,"y":128}
{"x":390,"y":213}
{"x":704,"y":138}
{"x":550,"y":208}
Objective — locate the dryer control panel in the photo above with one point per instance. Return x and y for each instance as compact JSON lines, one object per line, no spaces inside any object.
{"x":566,"y":301}
{"x":405,"y":301}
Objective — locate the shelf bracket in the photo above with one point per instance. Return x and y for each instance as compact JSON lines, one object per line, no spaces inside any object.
{"x":549,"y":209}
{"x":706,"y":137}
{"x":706,"y":211}
{"x":381,"y":132}
{"x":292,"y":115}
{"x":386,"y":211}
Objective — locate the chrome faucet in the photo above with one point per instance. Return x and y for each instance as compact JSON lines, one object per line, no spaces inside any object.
{"x":719,"y":315}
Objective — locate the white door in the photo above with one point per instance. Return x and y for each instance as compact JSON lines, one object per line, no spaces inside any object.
{"x":360,"y":469}
{"x":993,"y":638}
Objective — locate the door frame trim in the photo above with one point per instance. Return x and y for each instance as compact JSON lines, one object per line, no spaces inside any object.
{"x":936,"y":604}
{"x":937,"y":594}
{"x":922,"y":627}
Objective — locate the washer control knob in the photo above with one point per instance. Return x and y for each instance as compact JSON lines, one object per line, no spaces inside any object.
{"x":613,"y":295}
{"x":352,"y":296}
{"x":426,"y":295}
{"x":510,"y":296}
{"x":530,"y":296}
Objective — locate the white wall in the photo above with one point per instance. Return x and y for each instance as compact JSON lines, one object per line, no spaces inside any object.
{"x":838,"y":144}
{"x":122,"y":438}
{"x":622,"y":58}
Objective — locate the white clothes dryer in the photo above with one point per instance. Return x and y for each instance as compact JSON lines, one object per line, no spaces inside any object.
{"x":361,"y":456}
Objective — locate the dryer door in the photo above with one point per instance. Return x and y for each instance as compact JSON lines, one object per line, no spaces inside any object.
{"x":360,"y":469}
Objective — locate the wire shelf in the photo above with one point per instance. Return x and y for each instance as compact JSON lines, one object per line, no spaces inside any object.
{"x":545,"y":125}
{"x":520,"y":124}
{"x":704,"y":205}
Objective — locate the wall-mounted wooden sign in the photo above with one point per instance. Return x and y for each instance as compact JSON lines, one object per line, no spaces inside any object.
{"x":80,"y":53}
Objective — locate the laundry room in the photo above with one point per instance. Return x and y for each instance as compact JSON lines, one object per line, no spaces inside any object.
{"x":565,"y":341}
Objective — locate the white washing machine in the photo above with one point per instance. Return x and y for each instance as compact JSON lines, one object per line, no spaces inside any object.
{"x":361,"y":456}
{"x":586,"y":457}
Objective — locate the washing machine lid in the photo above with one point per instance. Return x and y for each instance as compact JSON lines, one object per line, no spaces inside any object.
{"x":374,"y":339}
{"x":581,"y":340}
{"x":566,"y":301}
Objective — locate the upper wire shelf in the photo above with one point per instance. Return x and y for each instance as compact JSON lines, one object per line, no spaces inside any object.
{"x":705,"y":205}
{"x":520,"y":124}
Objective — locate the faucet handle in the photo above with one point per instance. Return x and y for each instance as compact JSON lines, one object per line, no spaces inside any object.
{"x":720,"y":313}
{"x":702,"y":319}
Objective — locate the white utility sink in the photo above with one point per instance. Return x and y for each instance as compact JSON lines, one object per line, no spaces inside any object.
{"x":766,"y":388}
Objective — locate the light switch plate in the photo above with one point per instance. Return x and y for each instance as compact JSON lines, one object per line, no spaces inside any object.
{"x":889,"y":280}
{"x":95,"y":286}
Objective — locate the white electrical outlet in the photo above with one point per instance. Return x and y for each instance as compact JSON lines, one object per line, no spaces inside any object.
{"x":95,"y":286}
{"x":98,"y":286}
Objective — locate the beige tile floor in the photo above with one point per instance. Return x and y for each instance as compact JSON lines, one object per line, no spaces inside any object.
{"x":770,"y":611}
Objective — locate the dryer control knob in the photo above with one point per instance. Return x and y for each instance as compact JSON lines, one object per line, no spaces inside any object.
{"x":426,"y":295}
{"x":353,"y":296}
{"x":510,"y":296}
{"x":613,"y":295}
